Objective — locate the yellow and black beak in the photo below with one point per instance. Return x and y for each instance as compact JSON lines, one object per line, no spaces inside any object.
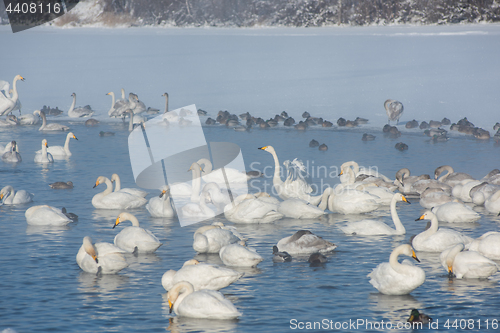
{"x":95,"y":258}
{"x":96,"y":184}
{"x":420,"y":218}
{"x":406,"y":200}
{"x":22,"y":78}
{"x":74,"y":137}
{"x":116,"y":222}
{"x":1,"y":196}
{"x":450,"y":272}
{"x":341,"y":172}
{"x":263,"y":148}
{"x":414,"y":256}
{"x":162,"y":193}
{"x":170,"y":306}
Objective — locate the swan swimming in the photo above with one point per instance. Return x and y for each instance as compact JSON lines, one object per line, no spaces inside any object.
{"x":161,"y":206}
{"x":46,"y":216}
{"x":201,"y":276}
{"x":44,"y":156}
{"x":79,"y":112}
{"x":455,"y":212}
{"x":8,"y":103}
{"x":451,"y":177}
{"x":466,"y":264}
{"x":252,"y":208}
{"x":372,"y":227}
{"x":115,"y":200}
{"x":239,"y":255}
{"x":217,"y":176}
{"x":118,"y":187}
{"x":103,"y":258}
{"x":135,"y":238}
{"x":211,"y":238}
{"x":394,"y":278}
{"x":60,"y":152}
{"x":11,"y":197}
{"x":299,"y":209}
{"x":51,"y":126}
{"x":305,"y":242}
{"x":12,"y":155}
{"x":437,"y":240}
{"x":208,"y":304}
{"x":29,"y":119}
{"x":488,"y":245}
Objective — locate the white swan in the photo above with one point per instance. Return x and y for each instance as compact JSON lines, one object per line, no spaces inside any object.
{"x":211,"y":238}
{"x":217,"y":196}
{"x":305,"y":242}
{"x":115,"y":200}
{"x":349,"y":182}
{"x":362,"y":171}
{"x":423,"y":184}
{"x":60,"y":152}
{"x":51,"y":126}
{"x":139,"y":107}
{"x":207,"y":304}
{"x":197,"y":210}
{"x":201,"y":276}
{"x":29,"y":119}
{"x":252,"y":208}
{"x":394,"y":110}
{"x":161,"y":206}
{"x":46,"y":216}
{"x":9,"y":121}
{"x":104,"y":258}
{"x":467,"y":264}
{"x":79,"y":112}
{"x":393,"y":278}
{"x":372,"y":227}
{"x":135,"y":238}
{"x":350,"y":202}
{"x":492,"y":204}
{"x":122,"y":106}
{"x":404,"y":180}
{"x":437,"y":240}
{"x":462,"y":189}
{"x":12,"y":156}
{"x":118,"y":187}
{"x":292,"y":187}
{"x":11,"y":197}
{"x":8,"y":103}
{"x":299,"y":209}
{"x":455,"y":212}
{"x":488,"y":245}
{"x":239,"y":256}
{"x":482,"y":192}
{"x":44,"y":156}
{"x":451,"y":178}
{"x":217,"y":176}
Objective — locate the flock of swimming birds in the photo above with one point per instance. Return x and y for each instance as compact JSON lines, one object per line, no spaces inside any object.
{"x":193,"y":289}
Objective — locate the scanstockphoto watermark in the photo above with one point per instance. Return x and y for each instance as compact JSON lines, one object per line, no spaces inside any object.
{"x":357,"y":324}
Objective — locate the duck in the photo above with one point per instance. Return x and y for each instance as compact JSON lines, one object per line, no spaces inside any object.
{"x":466,"y":264}
{"x":372,"y":227}
{"x":62,"y":185}
{"x":118,"y":187}
{"x":394,"y":278}
{"x":206,"y":304}
{"x":44,"y":156}
{"x":161,"y":206}
{"x":434,"y":239}
{"x":115,"y":200}
{"x":417,"y":317}
{"x":51,"y":126}
{"x":487,"y":244}
{"x":280,"y":256}
{"x":44,"y":215}
{"x":455,"y":212}
{"x":12,"y":155}
{"x":252,"y":208}
{"x":135,"y":239}
{"x":11,"y":197}
{"x":317,"y":258}
{"x":237,"y":254}
{"x":305,"y":242}
{"x":100,"y":258}
{"x":201,"y":276}
{"x":211,"y":238}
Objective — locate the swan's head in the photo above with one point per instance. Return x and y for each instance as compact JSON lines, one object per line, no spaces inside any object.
{"x":19,"y":77}
{"x":401,"y":197}
{"x":73,"y":95}
{"x":122,"y":217}
{"x":110,"y":93}
{"x":195,"y":166}
{"x":114,"y":177}
{"x":269,"y":149}
{"x":71,"y":135}
{"x":165,"y":190}
{"x":191,"y":262}
{"x":428,"y":215}
{"x":165,"y":95}
{"x":407,"y":249}
{"x":89,"y":248}
{"x":44,"y":143}
{"x":100,"y":180}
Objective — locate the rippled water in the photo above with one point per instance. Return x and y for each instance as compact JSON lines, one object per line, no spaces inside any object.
{"x":329,"y":72}
{"x":44,"y":289}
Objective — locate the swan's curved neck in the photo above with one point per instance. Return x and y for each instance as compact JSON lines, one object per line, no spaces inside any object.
{"x":395,"y":218}
{"x":10,"y":193}
{"x":207,"y":165}
{"x":112,"y":99}
{"x":350,"y":176}
{"x":393,"y":261}
{"x":109,"y":187}
{"x":118,"y":183}
{"x":15,"y":95}
{"x":450,"y":258}
{"x":432,"y":230}
{"x":44,"y":120}
{"x":44,"y":150}
{"x":324,"y":199}
{"x":179,"y":292}
{"x":445,"y":168}
{"x":66,"y":143}
{"x":196,"y":182}
{"x":72,"y":104}
{"x":123,"y":93}
{"x":166,"y":102}
{"x":131,"y":218}
{"x":277,"y":177}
